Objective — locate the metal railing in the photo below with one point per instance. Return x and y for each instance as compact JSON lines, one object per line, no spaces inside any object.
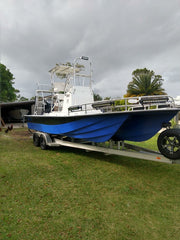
{"x":45,"y":99}
{"x":127,"y":104}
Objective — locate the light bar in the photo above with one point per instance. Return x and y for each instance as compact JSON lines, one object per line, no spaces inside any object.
{"x":84,"y":58}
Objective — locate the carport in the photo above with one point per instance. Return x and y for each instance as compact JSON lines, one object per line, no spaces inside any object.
{"x":14,"y":111}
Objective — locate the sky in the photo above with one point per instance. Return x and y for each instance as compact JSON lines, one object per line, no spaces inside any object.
{"x":119,"y":36}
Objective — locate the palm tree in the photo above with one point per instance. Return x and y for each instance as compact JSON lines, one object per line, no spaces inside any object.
{"x":145,"y":83}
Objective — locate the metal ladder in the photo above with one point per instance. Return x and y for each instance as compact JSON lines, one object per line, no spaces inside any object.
{"x":40,"y":98}
{"x":40,"y":103}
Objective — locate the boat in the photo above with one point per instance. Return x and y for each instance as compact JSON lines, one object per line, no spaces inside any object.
{"x":66,"y":109}
{"x":17,"y":114}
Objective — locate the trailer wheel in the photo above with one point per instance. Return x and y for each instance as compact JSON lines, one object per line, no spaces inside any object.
{"x":169,"y":143}
{"x":43,"y":145}
{"x":36,"y":140}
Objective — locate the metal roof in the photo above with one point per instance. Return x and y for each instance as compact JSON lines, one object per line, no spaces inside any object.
{"x":18,"y":104}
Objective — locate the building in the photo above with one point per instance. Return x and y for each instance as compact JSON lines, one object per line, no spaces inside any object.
{"x":15,"y":111}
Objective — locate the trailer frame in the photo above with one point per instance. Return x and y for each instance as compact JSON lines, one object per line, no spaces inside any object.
{"x":111,"y":148}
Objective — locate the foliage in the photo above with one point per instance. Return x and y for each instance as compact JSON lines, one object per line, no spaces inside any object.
{"x":20,"y":98}
{"x":145,"y":83}
{"x":97,"y":97}
{"x":118,"y":104}
{"x":72,"y":194}
{"x":7,"y":91}
{"x":107,"y":98}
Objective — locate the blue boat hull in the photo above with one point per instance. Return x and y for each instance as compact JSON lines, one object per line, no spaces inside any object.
{"x":142,"y":126}
{"x":96,"y":128}
{"x":132,"y":126}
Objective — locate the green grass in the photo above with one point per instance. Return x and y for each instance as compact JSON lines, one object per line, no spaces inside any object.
{"x":64,"y":193}
{"x":150,"y":144}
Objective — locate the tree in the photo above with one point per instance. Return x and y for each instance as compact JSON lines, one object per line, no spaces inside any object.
{"x":22,"y":99}
{"x":97,"y":97}
{"x":145,"y":82}
{"x":107,"y":98}
{"x":7,"y":91}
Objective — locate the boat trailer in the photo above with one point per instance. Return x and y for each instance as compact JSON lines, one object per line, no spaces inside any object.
{"x":111,"y":147}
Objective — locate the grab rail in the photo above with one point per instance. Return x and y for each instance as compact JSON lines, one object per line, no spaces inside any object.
{"x":127,"y":104}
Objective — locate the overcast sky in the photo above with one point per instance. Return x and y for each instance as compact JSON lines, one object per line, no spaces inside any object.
{"x":118,"y":35}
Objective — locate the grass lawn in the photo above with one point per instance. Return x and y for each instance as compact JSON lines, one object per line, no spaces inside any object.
{"x":150,"y":144}
{"x":64,"y":193}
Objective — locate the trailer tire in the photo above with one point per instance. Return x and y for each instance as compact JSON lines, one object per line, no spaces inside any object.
{"x":169,"y":143}
{"x":42,"y":141}
{"x":36,"y":140}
